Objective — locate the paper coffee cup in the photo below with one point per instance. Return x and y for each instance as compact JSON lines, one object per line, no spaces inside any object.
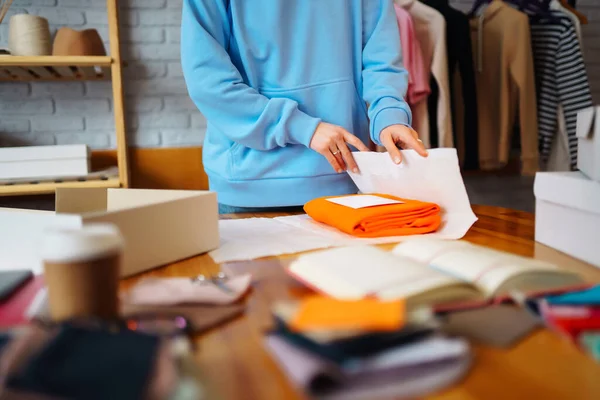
{"x":81,"y":271}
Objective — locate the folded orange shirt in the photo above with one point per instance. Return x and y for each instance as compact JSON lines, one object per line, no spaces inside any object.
{"x":325,"y":313}
{"x":411,"y":217}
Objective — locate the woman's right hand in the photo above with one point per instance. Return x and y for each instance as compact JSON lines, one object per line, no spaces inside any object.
{"x":330,"y":141}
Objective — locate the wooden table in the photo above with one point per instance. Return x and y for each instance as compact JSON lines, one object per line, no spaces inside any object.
{"x":543,"y":366}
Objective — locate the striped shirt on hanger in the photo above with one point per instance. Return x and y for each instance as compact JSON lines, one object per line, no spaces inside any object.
{"x":561,"y":78}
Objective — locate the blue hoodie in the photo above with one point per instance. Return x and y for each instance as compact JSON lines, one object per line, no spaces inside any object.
{"x":264,"y":73}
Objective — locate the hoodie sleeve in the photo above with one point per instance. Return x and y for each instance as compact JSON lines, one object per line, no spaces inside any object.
{"x":218,"y":90}
{"x":385,"y":80}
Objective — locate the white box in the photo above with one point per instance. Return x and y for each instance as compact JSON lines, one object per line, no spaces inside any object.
{"x":37,"y":162}
{"x":567,"y":214}
{"x":159,"y":226}
{"x":588,"y":142}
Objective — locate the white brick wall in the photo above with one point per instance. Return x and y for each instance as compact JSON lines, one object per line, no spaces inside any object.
{"x":159,"y":112}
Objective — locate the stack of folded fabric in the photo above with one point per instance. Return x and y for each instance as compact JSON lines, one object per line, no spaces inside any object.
{"x":365,"y":349}
{"x":574,"y":315}
{"x":375,"y":215}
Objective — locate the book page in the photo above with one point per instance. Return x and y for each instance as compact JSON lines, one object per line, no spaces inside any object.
{"x":485,"y":268}
{"x":359,"y":271}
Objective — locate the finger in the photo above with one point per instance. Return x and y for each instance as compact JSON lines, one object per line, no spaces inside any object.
{"x":333,"y":161}
{"x":417,"y":145}
{"x":336,"y":152}
{"x":390,"y":146}
{"x":347,"y":155}
{"x":354,"y":141}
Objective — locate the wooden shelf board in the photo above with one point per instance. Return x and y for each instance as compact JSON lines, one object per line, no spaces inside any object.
{"x":50,"y":187}
{"x":54,"y":68}
{"x":56,"y":61}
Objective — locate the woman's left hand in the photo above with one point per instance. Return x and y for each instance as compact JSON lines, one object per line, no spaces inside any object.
{"x":404,"y":137}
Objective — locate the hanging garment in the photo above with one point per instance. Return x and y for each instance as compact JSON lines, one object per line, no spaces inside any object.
{"x":559,"y":158}
{"x":505,"y":86}
{"x":557,"y":6}
{"x":569,"y":5}
{"x":412,"y":56}
{"x":562,"y":81}
{"x":430,"y":28}
{"x":462,"y":82}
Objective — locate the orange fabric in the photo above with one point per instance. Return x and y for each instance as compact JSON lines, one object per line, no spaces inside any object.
{"x":413,"y":217}
{"x":325,"y":313}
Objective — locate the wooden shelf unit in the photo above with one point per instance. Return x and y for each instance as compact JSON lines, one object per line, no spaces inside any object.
{"x":50,"y":187}
{"x":76,"y":68}
{"x":54,"y":68}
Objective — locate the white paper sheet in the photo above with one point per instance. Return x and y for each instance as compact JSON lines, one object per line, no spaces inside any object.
{"x":362,"y":201}
{"x":436,"y":179}
{"x":251,"y":238}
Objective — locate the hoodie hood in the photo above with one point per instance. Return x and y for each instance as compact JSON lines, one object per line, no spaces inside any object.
{"x":488,"y":12}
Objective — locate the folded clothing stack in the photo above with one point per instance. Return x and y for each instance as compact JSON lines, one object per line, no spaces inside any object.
{"x":375,"y":215}
{"x":364,"y":349}
{"x":574,"y":315}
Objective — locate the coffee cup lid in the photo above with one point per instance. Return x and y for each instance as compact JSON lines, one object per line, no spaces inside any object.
{"x":79,"y":244}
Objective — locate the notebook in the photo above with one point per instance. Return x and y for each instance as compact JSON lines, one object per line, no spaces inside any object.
{"x":427,"y":271}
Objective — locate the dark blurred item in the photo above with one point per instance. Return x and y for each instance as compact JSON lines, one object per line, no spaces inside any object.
{"x":498,"y":325}
{"x":14,"y":311}
{"x":349,"y":349}
{"x":408,"y":371}
{"x":73,"y":361}
{"x":199,"y":318}
{"x":10,"y":281}
{"x":155,"y":323}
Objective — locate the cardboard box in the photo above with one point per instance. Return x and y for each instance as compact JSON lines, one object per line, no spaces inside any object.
{"x":588,"y":146}
{"x":37,"y":162}
{"x":159,"y":226}
{"x":567,"y":215}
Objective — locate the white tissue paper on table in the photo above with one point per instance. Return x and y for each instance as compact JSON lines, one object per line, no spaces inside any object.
{"x":435,"y":179}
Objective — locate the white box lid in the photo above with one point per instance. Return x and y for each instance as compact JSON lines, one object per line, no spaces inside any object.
{"x":571,"y":189}
{"x":585,"y":122}
{"x":50,"y":152}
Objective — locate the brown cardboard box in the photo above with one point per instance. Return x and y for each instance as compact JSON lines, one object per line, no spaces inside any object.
{"x":159,"y":226}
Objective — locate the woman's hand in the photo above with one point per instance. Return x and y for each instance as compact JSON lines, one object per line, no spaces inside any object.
{"x":403,"y":136}
{"x":330,"y":141}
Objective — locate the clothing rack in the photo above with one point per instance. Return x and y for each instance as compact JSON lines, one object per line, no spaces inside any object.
{"x":459,"y":89}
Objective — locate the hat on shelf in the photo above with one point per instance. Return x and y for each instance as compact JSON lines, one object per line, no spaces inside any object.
{"x":70,"y":42}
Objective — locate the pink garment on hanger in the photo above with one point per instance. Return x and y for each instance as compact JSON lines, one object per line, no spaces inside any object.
{"x":418,"y":83}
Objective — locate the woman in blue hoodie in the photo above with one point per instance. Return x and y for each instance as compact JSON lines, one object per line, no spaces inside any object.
{"x":289,"y":89}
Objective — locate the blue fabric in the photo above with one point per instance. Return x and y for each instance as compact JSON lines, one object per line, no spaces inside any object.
{"x":588,"y":297}
{"x":265,"y":73}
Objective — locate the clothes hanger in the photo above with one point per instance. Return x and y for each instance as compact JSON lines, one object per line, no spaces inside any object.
{"x":540,"y":9}
{"x":582,"y":18}
{"x":476,"y":6}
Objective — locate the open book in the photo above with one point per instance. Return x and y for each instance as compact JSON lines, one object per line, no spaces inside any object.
{"x":427,"y":272}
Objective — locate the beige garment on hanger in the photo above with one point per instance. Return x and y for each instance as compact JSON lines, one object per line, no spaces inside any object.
{"x":560,"y":159}
{"x":430,"y":28}
{"x":505,"y":81}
